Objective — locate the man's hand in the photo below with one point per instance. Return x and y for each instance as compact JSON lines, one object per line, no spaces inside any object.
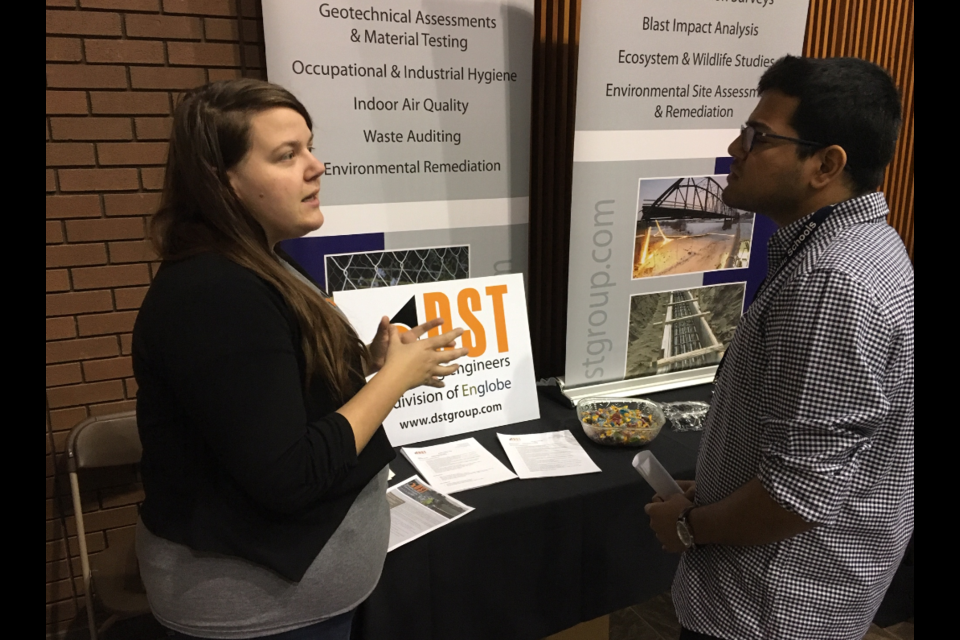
{"x":381,"y":342}
{"x":689,"y":488}
{"x":748,"y":516}
{"x":663,"y":518}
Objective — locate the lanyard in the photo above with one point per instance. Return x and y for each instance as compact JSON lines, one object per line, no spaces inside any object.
{"x":815,"y":222}
{"x":793,"y":250}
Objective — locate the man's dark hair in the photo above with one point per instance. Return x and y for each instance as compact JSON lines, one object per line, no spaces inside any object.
{"x":844,"y":101}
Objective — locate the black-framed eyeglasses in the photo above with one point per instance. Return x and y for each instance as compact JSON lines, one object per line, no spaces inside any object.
{"x":750,"y":136}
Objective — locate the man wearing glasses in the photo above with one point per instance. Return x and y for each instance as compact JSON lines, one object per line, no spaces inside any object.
{"x":803,"y":502}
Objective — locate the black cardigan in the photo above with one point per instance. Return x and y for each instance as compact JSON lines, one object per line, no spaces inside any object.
{"x":237,"y":458}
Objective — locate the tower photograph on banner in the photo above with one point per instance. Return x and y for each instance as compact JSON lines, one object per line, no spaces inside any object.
{"x":680,"y":330}
{"x":683,"y":226}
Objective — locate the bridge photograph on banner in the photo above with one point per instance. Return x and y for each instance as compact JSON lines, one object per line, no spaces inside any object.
{"x":683,"y":226}
{"x":661,"y":270}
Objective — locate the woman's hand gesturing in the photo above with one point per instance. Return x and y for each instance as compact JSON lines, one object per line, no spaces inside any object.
{"x":381,"y":342}
{"x":403,"y":361}
{"x":415,"y":360}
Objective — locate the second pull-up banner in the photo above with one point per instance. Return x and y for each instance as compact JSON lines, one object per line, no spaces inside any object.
{"x":660,"y":267}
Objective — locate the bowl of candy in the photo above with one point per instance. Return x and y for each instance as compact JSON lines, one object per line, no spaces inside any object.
{"x":620,"y":422}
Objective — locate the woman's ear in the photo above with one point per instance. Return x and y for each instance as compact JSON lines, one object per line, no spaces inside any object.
{"x":232,"y":179}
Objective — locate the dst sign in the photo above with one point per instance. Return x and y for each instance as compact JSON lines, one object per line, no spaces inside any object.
{"x":495,"y":384}
{"x":469,"y":303}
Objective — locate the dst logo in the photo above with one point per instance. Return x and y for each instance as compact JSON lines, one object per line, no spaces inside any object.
{"x":469,"y":303}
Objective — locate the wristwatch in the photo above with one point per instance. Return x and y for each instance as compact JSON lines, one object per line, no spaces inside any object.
{"x":685,"y":528}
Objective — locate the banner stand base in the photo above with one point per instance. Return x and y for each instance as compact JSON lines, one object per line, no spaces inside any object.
{"x":638,"y":386}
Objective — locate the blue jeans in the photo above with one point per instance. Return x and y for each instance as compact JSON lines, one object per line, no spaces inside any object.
{"x":336,"y":628}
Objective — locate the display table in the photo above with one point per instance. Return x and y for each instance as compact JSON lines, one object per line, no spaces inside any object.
{"x":536,"y":556}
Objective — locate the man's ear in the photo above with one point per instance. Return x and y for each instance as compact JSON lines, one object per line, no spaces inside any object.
{"x":832,"y":159}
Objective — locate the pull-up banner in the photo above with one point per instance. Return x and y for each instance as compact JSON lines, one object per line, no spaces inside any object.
{"x":422,"y":117}
{"x":660,"y":267}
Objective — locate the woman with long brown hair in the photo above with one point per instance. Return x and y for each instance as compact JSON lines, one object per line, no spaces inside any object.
{"x":264,"y":464}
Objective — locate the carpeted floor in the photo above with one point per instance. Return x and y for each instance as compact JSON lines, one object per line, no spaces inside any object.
{"x":656,"y":620}
{"x":651,"y":620}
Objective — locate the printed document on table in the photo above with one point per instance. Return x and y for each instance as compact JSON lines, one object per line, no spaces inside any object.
{"x":541,"y":455}
{"x":416,"y":509}
{"x":457,"y":466}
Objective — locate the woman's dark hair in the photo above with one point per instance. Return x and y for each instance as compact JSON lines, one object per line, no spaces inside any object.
{"x":843,"y":101}
{"x":199,"y":212}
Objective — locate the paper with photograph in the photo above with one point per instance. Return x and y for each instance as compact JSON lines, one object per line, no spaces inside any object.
{"x":416,"y":509}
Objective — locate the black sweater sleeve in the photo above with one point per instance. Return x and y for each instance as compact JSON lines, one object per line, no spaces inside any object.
{"x":229,"y":349}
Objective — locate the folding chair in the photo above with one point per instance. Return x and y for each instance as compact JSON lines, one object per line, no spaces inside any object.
{"x":107,"y":441}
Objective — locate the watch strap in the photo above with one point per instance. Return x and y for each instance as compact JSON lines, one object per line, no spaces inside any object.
{"x":683,"y":520}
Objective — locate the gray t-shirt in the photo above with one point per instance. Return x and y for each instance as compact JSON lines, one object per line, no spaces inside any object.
{"x":216,"y":596}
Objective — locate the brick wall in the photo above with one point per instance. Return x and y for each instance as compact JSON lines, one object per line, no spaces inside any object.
{"x":114,"y":70}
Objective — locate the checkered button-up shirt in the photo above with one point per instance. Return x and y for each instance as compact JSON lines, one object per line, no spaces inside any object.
{"x":816,"y":400}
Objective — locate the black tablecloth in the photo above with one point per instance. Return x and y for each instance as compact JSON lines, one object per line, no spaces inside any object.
{"x":536,"y":556}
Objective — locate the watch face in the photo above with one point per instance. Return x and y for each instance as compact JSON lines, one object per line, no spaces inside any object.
{"x":684,"y":533}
